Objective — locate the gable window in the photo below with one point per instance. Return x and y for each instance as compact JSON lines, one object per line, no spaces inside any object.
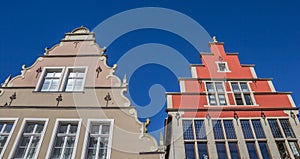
{"x":51,"y":80}
{"x":242,"y":93}
{"x":216,"y":93}
{"x":30,"y":139}
{"x":6,"y":129}
{"x":222,"y":67}
{"x":75,"y":79}
{"x":99,"y":139}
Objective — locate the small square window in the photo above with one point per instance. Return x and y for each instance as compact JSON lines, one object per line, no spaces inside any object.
{"x":51,"y":80}
{"x":222,"y":67}
{"x":75,"y":79}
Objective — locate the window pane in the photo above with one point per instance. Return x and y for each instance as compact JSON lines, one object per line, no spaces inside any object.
{"x":78,"y":84}
{"x":221,"y":150}
{"x":219,"y":87}
{"x":73,"y":129}
{"x":248,"y":99}
{"x":295,"y":149}
{"x":54,"y":85}
{"x":70,"y":84}
{"x":275,"y":128}
{"x":288,"y":131}
{"x":238,"y":99}
{"x":200,"y":129}
{"x":212,"y":99}
{"x":217,"y":128}
{"x":189,"y":151}
{"x":188,"y":130}
{"x":95,"y":129}
{"x":244,"y":87}
{"x":222,"y":67}
{"x":222,"y":99}
{"x":46,"y":85}
{"x":259,"y":132}
{"x":282,"y":150}
{"x":247,"y":129}
{"x":63,"y":128}
{"x":235,"y":87}
{"x":210,"y":87}
{"x":105,"y":129}
{"x":252,"y":150}
{"x":234,"y":152}
{"x":2,"y":141}
{"x":264,"y":150}
{"x":29,"y":128}
{"x":202,"y":150}
{"x":39,"y":128}
{"x":229,"y":129}
{"x":8,"y":128}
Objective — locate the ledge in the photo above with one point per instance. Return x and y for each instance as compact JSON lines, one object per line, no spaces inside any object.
{"x":65,"y":107}
{"x":238,"y":108}
{"x":228,"y":79}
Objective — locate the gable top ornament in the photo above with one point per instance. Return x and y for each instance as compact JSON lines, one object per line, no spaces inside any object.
{"x":81,"y":29}
{"x":214,"y":38}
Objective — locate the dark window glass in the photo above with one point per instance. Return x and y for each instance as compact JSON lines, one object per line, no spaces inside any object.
{"x":219,"y":87}
{"x":288,"y":131}
{"x":229,"y":129}
{"x":218,"y":131}
{"x":188,"y":130}
{"x":248,"y":99}
{"x":200,"y":129}
{"x":189,"y":151}
{"x":247,"y":129}
{"x":259,"y":132}
{"x":210,"y":87}
{"x":221,"y":150}
{"x":282,"y":150}
{"x":295,"y":149}
{"x":234,"y":152}
{"x":275,"y":128}
{"x":202,"y":150}
{"x":264,"y":150}
{"x":222,"y":99}
{"x":252,"y":150}
{"x":238,"y":99}
{"x":222,"y":67}
{"x":212,"y":99}
{"x":244,"y":87}
{"x":235,"y":87}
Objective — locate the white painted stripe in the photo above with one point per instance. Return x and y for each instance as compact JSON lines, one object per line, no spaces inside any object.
{"x":253,"y":72}
{"x":292,"y":101}
{"x":182,"y":86}
{"x":271,"y":86}
{"x":169,"y":101}
{"x":194,"y":72}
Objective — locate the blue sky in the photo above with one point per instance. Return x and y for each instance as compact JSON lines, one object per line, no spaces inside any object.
{"x":265,"y":33}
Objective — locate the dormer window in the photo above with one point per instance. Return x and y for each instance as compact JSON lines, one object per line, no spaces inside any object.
{"x":58,"y":79}
{"x":222,"y":67}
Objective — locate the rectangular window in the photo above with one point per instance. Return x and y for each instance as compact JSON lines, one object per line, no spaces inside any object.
{"x":259,"y":132}
{"x":287,"y":129}
{"x":65,"y":139}
{"x":188,"y":130}
{"x":221,"y":150}
{"x":218,"y":130}
{"x":216,"y":93}
{"x":98,"y":140}
{"x":252,"y":150}
{"x":51,"y":80}
{"x":6,"y":129}
{"x":247,"y":130}
{"x":242,"y":93}
{"x":234,"y":151}
{"x":282,"y":149}
{"x":264,"y":149}
{"x":189,"y":151}
{"x":295,"y":149}
{"x":275,"y":128}
{"x":222,"y":67}
{"x":200,"y":129}
{"x":30,"y":140}
{"x":229,"y":129}
{"x":75,"y":79}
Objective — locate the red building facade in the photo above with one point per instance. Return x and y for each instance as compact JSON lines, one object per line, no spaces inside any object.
{"x":226,"y":111}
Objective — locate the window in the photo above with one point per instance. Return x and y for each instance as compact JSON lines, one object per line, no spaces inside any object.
{"x":222,"y":67}
{"x":30,"y":139}
{"x":221,"y":127}
{"x":75,"y":79}
{"x":51,"y":80}
{"x":6,"y":129}
{"x":283,"y":133}
{"x":99,"y":139}
{"x":196,"y":142}
{"x":65,"y":139}
{"x":216,"y":93}
{"x":242,"y":93}
{"x":57,"y":79}
{"x":254,"y":135}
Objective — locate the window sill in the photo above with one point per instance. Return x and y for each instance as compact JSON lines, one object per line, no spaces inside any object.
{"x":57,"y":92}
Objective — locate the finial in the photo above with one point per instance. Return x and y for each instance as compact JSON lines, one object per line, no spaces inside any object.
{"x":6,"y":81}
{"x":124,"y":79}
{"x":46,"y":51}
{"x":214,"y":38}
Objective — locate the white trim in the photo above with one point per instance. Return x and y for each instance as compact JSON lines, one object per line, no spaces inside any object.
{"x":65,"y":79}
{"x":54,"y":132}
{"x":226,"y":66}
{"x":182,"y":86}
{"x":111,"y":122}
{"x":20,"y":133}
{"x":169,"y":101}
{"x":41,"y":79}
{"x":14,"y":120}
{"x":291,"y":100}
{"x":271,"y":86}
{"x":194,"y":72}
{"x":252,"y":70}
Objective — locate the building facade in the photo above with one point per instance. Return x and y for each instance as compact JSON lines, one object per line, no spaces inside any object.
{"x":226,"y":112}
{"x":69,"y":104}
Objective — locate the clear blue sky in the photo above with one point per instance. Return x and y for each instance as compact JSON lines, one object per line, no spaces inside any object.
{"x":265,"y":33}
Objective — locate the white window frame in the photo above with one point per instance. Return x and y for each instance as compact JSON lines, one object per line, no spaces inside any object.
{"x":86,"y":138}
{"x":16,"y":143}
{"x":54,"y":132}
{"x":216,"y":93}
{"x":226,"y":66}
{"x":42,"y":78}
{"x":14,"y":121}
{"x":65,"y":78}
{"x":242,"y":93}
